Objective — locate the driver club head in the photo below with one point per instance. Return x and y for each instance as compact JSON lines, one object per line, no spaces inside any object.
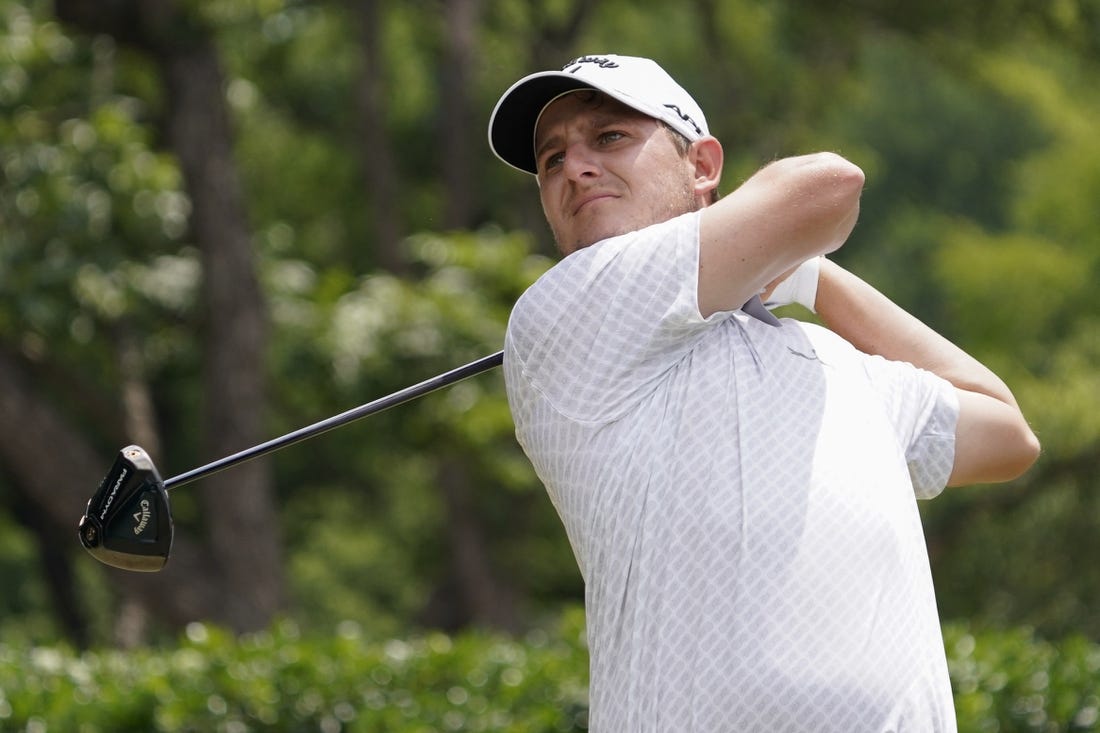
{"x":128,"y":522}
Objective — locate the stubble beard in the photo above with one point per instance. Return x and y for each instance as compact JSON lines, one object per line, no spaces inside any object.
{"x":685,"y":201}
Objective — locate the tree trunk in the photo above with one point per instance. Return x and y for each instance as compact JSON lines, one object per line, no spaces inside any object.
{"x":56,"y":561}
{"x":381,"y":175}
{"x":239,"y":513}
{"x":242,"y":585}
{"x":472,"y":593}
{"x":456,"y":123}
{"x":56,"y":471}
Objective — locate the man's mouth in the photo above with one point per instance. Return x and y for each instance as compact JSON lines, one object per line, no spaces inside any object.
{"x":584,"y":201}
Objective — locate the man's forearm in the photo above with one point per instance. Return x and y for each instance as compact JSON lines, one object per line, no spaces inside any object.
{"x":874,"y":324}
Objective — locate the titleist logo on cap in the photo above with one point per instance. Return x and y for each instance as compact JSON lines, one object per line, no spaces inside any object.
{"x":604,"y":63}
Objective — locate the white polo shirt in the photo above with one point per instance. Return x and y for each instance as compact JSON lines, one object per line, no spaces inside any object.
{"x":740,"y":498}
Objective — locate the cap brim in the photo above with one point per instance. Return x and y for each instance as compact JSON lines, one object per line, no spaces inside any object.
{"x":512,"y":125}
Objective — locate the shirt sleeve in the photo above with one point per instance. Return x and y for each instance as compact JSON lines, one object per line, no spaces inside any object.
{"x":597,"y":331}
{"x":924,"y":409}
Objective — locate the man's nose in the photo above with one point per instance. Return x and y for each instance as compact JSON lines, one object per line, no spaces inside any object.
{"x":580,"y":162}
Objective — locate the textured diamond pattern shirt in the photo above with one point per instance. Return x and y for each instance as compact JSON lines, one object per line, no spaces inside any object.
{"x":740,"y":498}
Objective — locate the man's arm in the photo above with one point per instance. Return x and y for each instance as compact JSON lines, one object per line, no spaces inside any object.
{"x":993,"y":440}
{"x":786,"y":213}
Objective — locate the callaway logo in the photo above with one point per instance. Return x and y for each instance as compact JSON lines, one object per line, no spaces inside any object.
{"x":141,"y":518}
{"x":114,"y":491}
{"x":605,"y":63}
{"x":573,"y":66}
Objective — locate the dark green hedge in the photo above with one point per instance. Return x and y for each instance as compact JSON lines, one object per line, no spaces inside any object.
{"x":279,"y":681}
{"x":1010,"y":681}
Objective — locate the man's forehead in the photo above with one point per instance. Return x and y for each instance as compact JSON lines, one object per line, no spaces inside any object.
{"x":596,"y":108}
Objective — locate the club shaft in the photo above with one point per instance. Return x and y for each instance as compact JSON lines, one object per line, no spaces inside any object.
{"x":446,"y":379}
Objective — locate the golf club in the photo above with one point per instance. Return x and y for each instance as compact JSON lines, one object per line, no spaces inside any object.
{"x":128,"y":521}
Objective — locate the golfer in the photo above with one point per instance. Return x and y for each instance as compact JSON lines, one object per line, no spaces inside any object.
{"x":739,"y":491}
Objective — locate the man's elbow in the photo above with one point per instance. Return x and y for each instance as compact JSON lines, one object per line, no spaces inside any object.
{"x":849,"y":176}
{"x":1002,"y":456}
{"x":1017,"y":454}
{"x":1025,"y":454}
{"x":841,"y":185}
{"x":826,"y":179}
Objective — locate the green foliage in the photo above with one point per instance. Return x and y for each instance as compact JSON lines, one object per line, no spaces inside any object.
{"x":1012,"y":682}
{"x":24,"y":588}
{"x":366,"y":522}
{"x":282,"y":680}
{"x":975,"y":122}
{"x":92,"y":214}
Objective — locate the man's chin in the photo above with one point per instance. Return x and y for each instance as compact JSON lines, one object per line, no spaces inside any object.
{"x":587,"y":241}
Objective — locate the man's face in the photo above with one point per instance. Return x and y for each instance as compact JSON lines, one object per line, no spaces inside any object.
{"x":605,"y":169}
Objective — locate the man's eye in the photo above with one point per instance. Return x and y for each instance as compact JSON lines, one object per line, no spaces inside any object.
{"x":553,"y":161}
{"x":611,"y":136}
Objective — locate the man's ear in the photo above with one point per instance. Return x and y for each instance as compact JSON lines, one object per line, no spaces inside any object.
{"x":707,"y":155}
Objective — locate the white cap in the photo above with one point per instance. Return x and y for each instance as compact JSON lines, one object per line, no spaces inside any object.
{"x":636,"y":82}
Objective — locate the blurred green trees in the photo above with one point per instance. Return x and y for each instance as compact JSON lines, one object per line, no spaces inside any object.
{"x":976,"y":125}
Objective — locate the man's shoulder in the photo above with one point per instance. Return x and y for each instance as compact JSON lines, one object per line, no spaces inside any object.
{"x":556,"y":292}
{"x":585,"y":267}
{"x":827,"y":342}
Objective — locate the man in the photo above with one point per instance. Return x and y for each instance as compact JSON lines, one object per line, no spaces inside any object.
{"x":739,"y":491}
